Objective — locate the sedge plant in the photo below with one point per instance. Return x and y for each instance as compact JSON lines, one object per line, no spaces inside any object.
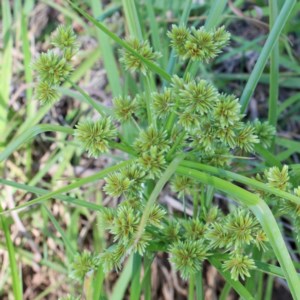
{"x":185,"y":136}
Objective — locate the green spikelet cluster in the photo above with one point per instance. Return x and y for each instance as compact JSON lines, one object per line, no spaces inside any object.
{"x":198,"y":44}
{"x":134,"y":64}
{"x":123,"y":224}
{"x":124,"y":108}
{"x":84,"y":263}
{"x":94,"y":136}
{"x":53,"y":67}
{"x":194,"y":240}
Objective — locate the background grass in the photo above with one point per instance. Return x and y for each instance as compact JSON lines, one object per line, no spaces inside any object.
{"x":38,"y":243}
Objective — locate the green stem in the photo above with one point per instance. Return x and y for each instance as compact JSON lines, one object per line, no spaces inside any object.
{"x":225,"y":291}
{"x":263,"y":58}
{"x":199,"y":285}
{"x":155,"y":193}
{"x":191,"y":294}
{"x":274,"y":69}
{"x":215,"y":14}
{"x":16,"y":280}
{"x":264,"y":216}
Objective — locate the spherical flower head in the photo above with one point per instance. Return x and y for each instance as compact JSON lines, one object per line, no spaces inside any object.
{"x":124,"y":108}
{"x":217,"y":235}
{"x":126,"y":224}
{"x":265,"y":133}
{"x":94,"y":136}
{"x":278,"y":178}
{"x":204,"y":138}
{"x":246,"y":138}
{"x":200,"y":45}
{"x":133,"y":63}
{"x":239,"y":266}
{"x":65,"y":39}
{"x":179,"y":36}
{"x":188,"y":120}
{"x":156,"y":215}
{"x":227,"y":110}
{"x":52,"y":68}
{"x":240,"y":227}
{"x":153,"y":162}
{"x":198,"y":97}
{"x":221,"y":37}
{"x":84,"y":263}
{"x":187,"y":256}
{"x":46,"y":93}
{"x":117,"y":184}
{"x":163,"y":103}
{"x":194,"y":229}
{"x":220,"y":158}
{"x":152,"y":137}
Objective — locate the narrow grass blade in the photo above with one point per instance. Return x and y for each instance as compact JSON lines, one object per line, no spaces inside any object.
{"x":6,"y":64}
{"x":156,"y":191}
{"x":30,"y":133}
{"x":39,"y":191}
{"x":123,"y":281}
{"x":215,"y":14}
{"x":67,"y":188}
{"x":27,"y":63}
{"x":16,"y":280}
{"x":64,"y":237}
{"x":274,"y":69}
{"x":241,"y":179}
{"x":109,"y":60}
{"x":265,"y":53}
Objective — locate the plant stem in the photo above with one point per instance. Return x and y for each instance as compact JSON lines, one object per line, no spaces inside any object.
{"x":191,"y":294}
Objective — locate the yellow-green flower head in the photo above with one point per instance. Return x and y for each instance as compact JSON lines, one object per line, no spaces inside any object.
{"x":187,"y":257}
{"x":133,"y":63}
{"x":246,"y":138}
{"x":200,"y":45}
{"x":153,"y":162}
{"x":94,"y":136}
{"x":179,"y":36}
{"x":198,"y":97}
{"x":265,"y":133}
{"x":239,"y":266}
{"x":46,"y":93}
{"x":163,"y":103}
{"x":152,"y":137}
{"x":227,"y":110}
{"x":52,"y":68}
{"x":278,"y":178}
{"x":124,"y":108}
{"x":64,"y":37}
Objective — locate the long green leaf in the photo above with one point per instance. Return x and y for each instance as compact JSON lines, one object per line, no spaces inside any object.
{"x":265,"y":53}
{"x":29,"y":134}
{"x":16,"y":280}
{"x":74,"y":185}
{"x":241,"y":179}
